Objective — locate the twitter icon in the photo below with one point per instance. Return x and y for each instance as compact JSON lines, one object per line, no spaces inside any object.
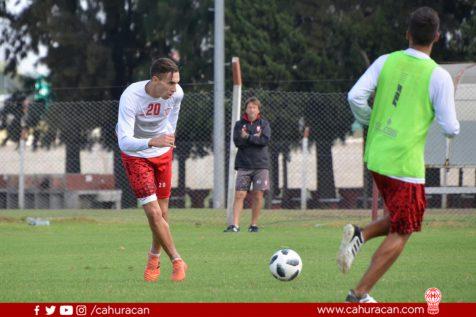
{"x":50,"y":310}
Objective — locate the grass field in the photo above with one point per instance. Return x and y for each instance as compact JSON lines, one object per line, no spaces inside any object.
{"x":99,"y":256}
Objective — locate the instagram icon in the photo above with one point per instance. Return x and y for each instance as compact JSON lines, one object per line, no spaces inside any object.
{"x":81,"y":310}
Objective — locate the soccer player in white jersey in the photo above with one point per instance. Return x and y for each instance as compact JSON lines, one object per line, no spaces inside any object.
{"x":148,"y":113}
{"x":411,"y":90}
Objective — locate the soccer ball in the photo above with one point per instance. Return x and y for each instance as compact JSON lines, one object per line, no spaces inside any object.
{"x":285,"y":265}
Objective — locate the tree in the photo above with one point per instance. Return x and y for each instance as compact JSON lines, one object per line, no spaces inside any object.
{"x":186,"y":28}
{"x":329,"y":118}
{"x":11,"y":116}
{"x":272,"y":50}
{"x":66,"y":28}
{"x":272,"y":54}
{"x":300,"y":45}
{"x":194,"y":131}
{"x":105,"y":44}
{"x":349,"y":35}
{"x":354,"y":33}
{"x":468,"y":29}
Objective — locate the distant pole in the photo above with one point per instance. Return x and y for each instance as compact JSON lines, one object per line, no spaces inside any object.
{"x":304,"y":168}
{"x":444,"y":197}
{"x":21,"y":174}
{"x":219,"y":108}
{"x":235,"y":116}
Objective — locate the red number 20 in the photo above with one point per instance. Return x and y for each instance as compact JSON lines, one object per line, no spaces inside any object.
{"x":153,"y":108}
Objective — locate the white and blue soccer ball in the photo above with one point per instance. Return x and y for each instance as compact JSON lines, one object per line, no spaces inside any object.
{"x":285,"y":265}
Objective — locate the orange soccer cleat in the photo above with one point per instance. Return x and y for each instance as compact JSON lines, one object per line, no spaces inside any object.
{"x":152,"y":269}
{"x":179,"y":268}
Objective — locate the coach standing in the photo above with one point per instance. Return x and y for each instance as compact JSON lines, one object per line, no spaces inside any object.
{"x":251,"y":136}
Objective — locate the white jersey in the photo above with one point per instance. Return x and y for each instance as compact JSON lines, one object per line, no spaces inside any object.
{"x":441,"y":93}
{"x":142,"y":117}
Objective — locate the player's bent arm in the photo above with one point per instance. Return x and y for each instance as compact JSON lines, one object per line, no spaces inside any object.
{"x":359,"y":94}
{"x":163,"y":140}
{"x":443,"y":100}
{"x":125,"y":129}
{"x":361,"y":112}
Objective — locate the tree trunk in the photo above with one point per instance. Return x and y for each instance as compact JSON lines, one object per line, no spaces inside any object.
{"x":285,"y":170}
{"x":325,"y":174}
{"x":181,"y":191}
{"x":433,"y":177}
{"x":181,"y":174}
{"x":73,"y":161}
{"x":274,"y":171}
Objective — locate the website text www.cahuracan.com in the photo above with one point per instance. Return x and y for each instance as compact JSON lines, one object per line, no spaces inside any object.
{"x":366,"y":309}
{"x":113,"y":310}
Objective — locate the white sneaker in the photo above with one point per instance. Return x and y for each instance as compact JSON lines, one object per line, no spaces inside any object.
{"x":352,"y":240}
{"x":352,"y":298}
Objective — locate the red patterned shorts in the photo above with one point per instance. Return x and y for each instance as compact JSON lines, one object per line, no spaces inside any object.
{"x":405,"y":201}
{"x":149,"y":176}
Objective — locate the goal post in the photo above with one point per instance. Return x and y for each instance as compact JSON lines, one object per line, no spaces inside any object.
{"x":235,"y":116}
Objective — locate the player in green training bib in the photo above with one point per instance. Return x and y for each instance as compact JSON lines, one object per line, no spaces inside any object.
{"x":401,"y":117}
{"x":411,"y":90}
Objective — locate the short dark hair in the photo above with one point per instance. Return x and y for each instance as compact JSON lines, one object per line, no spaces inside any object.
{"x":163,"y":66}
{"x":423,"y":26}
{"x":253,"y":100}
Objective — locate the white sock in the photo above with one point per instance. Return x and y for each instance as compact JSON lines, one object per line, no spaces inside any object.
{"x":154,"y":254}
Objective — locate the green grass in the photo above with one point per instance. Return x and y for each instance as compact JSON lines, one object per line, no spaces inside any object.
{"x":100,"y":255}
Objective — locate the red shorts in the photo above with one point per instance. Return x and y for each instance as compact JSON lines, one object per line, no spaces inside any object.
{"x":405,"y":201}
{"x":149,"y":176}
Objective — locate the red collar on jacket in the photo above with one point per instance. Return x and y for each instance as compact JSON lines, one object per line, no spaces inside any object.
{"x":245,"y":117}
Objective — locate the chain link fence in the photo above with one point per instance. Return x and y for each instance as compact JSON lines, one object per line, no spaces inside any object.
{"x":71,"y":159}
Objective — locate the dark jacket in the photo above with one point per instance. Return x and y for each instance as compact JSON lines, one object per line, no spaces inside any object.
{"x":253,"y":151}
